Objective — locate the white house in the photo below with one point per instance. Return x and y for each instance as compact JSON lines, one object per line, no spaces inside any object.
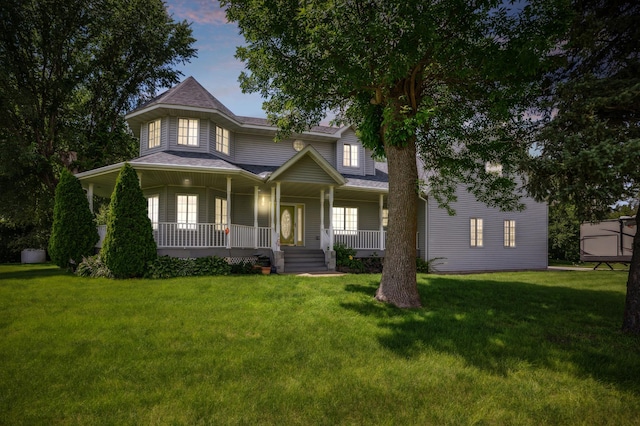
{"x":217,"y":184}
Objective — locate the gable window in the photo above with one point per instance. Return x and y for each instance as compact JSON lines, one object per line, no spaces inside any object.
{"x":187,"y":211}
{"x":350,"y":155}
{"x":154,"y":133}
{"x":188,"y":131}
{"x":345,"y":220}
{"x":509,"y":233}
{"x":475,"y":225}
{"x":222,"y":140}
{"x":220,"y":213}
{"x":152,"y":210}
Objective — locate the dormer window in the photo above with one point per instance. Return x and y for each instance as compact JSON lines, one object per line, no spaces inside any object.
{"x":154,"y":133}
{"x":222,"y":140}
{"x":188,"y":131}
{"x":350,"y":155}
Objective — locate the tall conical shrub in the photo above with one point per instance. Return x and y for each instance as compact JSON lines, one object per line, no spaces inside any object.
{"x":128,"y":244}
{"x":74,"y":233}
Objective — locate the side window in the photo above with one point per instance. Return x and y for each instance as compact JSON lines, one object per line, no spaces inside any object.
{"x":385,"y":218}
{"x":509,"y":233}
{"x":475,"y":225}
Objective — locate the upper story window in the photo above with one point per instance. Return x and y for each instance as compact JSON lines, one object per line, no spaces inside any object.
{"x":154,"y":133}
{"x":222,"y":140}
{"x":153,"y":203}
{"x":350,"y":155}
{"x":494,"y":168}
{"x":345,"y":220}
{"x":509,"y":233}
{"x":475,"y":225}
{"x":187,"y":211}
{"x":188,"y":131}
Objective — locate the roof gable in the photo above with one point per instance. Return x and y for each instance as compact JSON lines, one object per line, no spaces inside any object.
{"x":300,"y":166}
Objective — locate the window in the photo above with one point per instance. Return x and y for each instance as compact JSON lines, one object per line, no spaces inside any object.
{"x":152,"y":210}
{"x":476,"y":232}
{"x":298,"y":145}
{"x":187,"y":211}
{"x":509,"y":233}
{"x":385,"y":218}
{"x":154,"y":133}
{"x":345,"y":220}
{"x":221,"y":212}
{"x":494,"y":168}
{"x":222,"y":140}
{"x":350,"y":155}
{"x":188,"y":131}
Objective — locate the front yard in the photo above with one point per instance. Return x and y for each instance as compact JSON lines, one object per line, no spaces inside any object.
{"x":509,"y":348}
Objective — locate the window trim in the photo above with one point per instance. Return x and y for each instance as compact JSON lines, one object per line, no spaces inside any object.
{"x":154,"y":136}
{"x":346,"y":226}
{"x":222,"y":135}
{"x":476,"y":232}
{"x":352,"y":152}
{"x":187,"y":225}
{"x":185,"y":140}
{"x":153,"y":211}
{"x":509,"y":228}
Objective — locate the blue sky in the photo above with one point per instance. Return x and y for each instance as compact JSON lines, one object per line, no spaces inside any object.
{"x":215,"y":68}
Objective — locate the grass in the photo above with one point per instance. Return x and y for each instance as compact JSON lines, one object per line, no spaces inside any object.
{"x":525,"y":348}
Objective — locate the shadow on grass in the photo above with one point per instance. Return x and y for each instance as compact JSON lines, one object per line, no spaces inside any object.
{"x":28,"y":271}
{"x":499,"y":326}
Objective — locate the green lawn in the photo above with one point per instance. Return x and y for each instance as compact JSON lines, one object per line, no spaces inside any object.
{"x":507,"y":349}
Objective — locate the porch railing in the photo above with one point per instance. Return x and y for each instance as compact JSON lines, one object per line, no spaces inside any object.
{"x":204,"y":235}
{"x":363,"y":239}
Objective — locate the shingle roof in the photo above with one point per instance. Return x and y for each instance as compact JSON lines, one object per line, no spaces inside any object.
{"x":188,"y":93}
{"x":193,"y":159}
{"x":329,"y":130}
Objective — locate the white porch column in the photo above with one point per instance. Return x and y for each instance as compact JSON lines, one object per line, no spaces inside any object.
{"x":90,"y":197}
{"x":228,"y":236}
{"x":381,"y":206}
{"x":322,"y":216}
{"x":278,"y":215}
{"x":272,"y":206}
{"x":331,"y":218}
{"x":255,"y":216}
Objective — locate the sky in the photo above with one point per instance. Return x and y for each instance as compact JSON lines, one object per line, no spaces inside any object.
{"x":215,"y":68}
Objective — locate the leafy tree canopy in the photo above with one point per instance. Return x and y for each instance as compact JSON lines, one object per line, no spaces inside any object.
{"x":69,"y":69}
{"x":447,"y":80}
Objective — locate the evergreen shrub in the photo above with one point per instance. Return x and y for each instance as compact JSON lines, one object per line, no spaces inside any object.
{"x":128,"y":245}
{"x":74,"y":234}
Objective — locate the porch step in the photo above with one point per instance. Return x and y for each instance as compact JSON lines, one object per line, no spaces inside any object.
{"x":303,"y":260}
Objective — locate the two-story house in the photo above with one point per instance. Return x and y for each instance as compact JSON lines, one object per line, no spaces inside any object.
{"x":217,"y":184}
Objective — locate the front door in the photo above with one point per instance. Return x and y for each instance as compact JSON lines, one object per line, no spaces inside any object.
{"x":287,"y":225}
{"x":292,"y":225}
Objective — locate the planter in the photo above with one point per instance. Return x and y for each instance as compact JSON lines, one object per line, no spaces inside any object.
{"x":266,"y":270}
{"x":33,"y":256}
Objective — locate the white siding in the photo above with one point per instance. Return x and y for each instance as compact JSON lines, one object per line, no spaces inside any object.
{"x":449,"y":237}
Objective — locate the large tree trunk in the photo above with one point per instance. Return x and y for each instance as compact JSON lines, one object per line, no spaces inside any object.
{"x":631,"y":320}
{"x":398,"y":285}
